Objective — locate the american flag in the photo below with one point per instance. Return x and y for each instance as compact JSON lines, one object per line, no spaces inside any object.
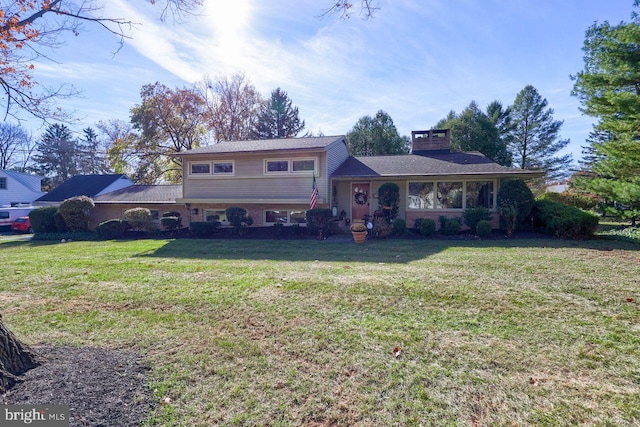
{"x":314,"y":194}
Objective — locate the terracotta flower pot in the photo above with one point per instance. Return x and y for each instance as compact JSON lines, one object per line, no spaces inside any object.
{"x":359,"y":236}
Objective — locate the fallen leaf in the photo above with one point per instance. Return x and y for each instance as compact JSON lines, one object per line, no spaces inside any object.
{"x":533,"y":382}
{"x":167,"y":400}
{"x":630,"y":300}
{"x":396,"y":352}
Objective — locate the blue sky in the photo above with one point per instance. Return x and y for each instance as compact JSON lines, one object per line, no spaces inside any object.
{"x":417,"y":60}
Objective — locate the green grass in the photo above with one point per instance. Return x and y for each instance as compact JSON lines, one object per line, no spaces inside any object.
{"x":302,"y":332}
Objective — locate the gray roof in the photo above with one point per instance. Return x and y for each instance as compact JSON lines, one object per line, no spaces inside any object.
{"x":80,"y":185}
{"x":436,"y":164}
{"x":306,"y":143}
{"x":142,"y":194}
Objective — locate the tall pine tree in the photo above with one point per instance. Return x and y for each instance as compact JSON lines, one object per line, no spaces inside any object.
{"x":277,"y":118}
{"x":609,"y":89}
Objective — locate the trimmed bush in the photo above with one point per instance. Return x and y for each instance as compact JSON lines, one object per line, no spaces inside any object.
{"x":76,"y":212}
{"x":483,"y":228}
{"x":43,"y":220}
{"x":318,"y":220}
{"x":427,"y":227}
{"x":399,"y":227}
{"x":472,"y":216}
{"x":139,"y":219}
{"x":451,"y":227}
{"x":238,"y":218}
{"x":112,"y":229}
{"x":204,"y":229}
{"x":564,"y":221}
{"x":61,"y":226}
{"x":389,"y":197}
{"x":515,"y":201}
{"x":171,"y":223}
{"x":381,"y":228}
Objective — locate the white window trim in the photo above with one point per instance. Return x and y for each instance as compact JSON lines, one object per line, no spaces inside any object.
{"x":464,"y":194}
{"x":212,"y":173}
{"x":290,"y":166}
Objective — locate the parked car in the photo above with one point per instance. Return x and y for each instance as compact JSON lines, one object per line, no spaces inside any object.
{"x":22,"y":224}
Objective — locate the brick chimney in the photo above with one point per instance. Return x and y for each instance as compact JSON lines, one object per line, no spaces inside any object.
{"x":430,"y":141}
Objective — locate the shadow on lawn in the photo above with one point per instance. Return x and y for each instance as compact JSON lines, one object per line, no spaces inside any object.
{"x":374,"y":251}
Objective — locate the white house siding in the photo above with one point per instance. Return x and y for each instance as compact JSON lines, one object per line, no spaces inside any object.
{"x":21,"y":188}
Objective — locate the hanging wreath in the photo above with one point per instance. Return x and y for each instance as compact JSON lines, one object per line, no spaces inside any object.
{"x":360,"y":197}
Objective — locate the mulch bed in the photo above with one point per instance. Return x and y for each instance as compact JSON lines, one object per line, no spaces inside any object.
{"x":102,"y":387}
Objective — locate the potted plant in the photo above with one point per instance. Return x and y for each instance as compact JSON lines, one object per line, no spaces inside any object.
{"x":359,"y":232}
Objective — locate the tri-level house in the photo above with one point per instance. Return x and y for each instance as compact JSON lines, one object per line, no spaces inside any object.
{"x":273,"y":179}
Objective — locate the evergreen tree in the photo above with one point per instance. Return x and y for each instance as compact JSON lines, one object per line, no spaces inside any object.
{"x":608,"y":90}
{"x":376,"y":136}
{"x":277,"y":118}
{"x":57,"y":154}
{"x":91,"y":159}
{"x":534,"y":136}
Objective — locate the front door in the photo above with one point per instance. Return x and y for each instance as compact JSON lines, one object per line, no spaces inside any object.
{"x":360,"y":200}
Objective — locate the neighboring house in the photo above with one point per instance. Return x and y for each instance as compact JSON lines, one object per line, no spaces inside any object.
{"x":19,"y":188}
{"x":83,"y":185}
{"x":272,"y":179}
{"x":157,"y":198}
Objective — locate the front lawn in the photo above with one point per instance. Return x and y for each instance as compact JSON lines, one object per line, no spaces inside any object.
{"x":258,"y":332}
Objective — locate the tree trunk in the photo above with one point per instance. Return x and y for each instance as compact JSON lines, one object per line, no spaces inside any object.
{"x":16,"y":358}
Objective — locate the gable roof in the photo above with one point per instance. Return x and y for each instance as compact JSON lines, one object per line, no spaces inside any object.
{"x":80,"y":185}
{"x":262,"y":145}
{"x":435,"y":164}
{"x":32,"y":182}
{"x":142,"y":194}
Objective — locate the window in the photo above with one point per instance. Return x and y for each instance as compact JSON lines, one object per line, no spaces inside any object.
{"x":5,"y":215}
{"x":290,"y":166}
{"x":449,"y":195}
{"x":200,"y":168}
{"x":3,"y":183}
{"x":223,"y":168}
{"x":277,"y":166}
{"x":211,"y":215}
{"x":420,"y":195}
{"x":480,"y":194}
{"x":285,"y":217}
{"x":304,"y":165}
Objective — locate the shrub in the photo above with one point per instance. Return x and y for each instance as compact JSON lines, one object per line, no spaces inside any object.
{"x":112,"y":229}
{"x":571,"y":198}
{"x":318,"y":220}
{"x":42,"y":220}
{"x":61,"y":226}
{"x":472,"y":216}
{"x":399,"y":226}
{"x":204,"y":229}
{"x":427,"y":227}
{"x":564,"y":221}
{"x":442,"y":220}
{"x":381,"y":228}
{"x":68,"y":236}
{"x":238,"y":218}
{"x":171,"y":223}
{"x":139,"y":219}
{"x":483,"y":228}
{"x":76,"y":212}
{"x":515,"y":201}
{"x":451,"y":227}
{"x":389,"y":197}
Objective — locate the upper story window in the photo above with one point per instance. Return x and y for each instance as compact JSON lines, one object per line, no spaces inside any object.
{"x":306,"y":166}
{"x":208,"y":169}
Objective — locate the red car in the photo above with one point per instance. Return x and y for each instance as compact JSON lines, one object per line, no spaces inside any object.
{"x":22,"y":224}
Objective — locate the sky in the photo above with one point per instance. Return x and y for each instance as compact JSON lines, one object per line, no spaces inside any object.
{"x":416,"y":60}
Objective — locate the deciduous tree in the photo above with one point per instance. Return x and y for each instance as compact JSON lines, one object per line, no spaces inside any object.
{"x":277,"y":118}
{"x":16,"y":147}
